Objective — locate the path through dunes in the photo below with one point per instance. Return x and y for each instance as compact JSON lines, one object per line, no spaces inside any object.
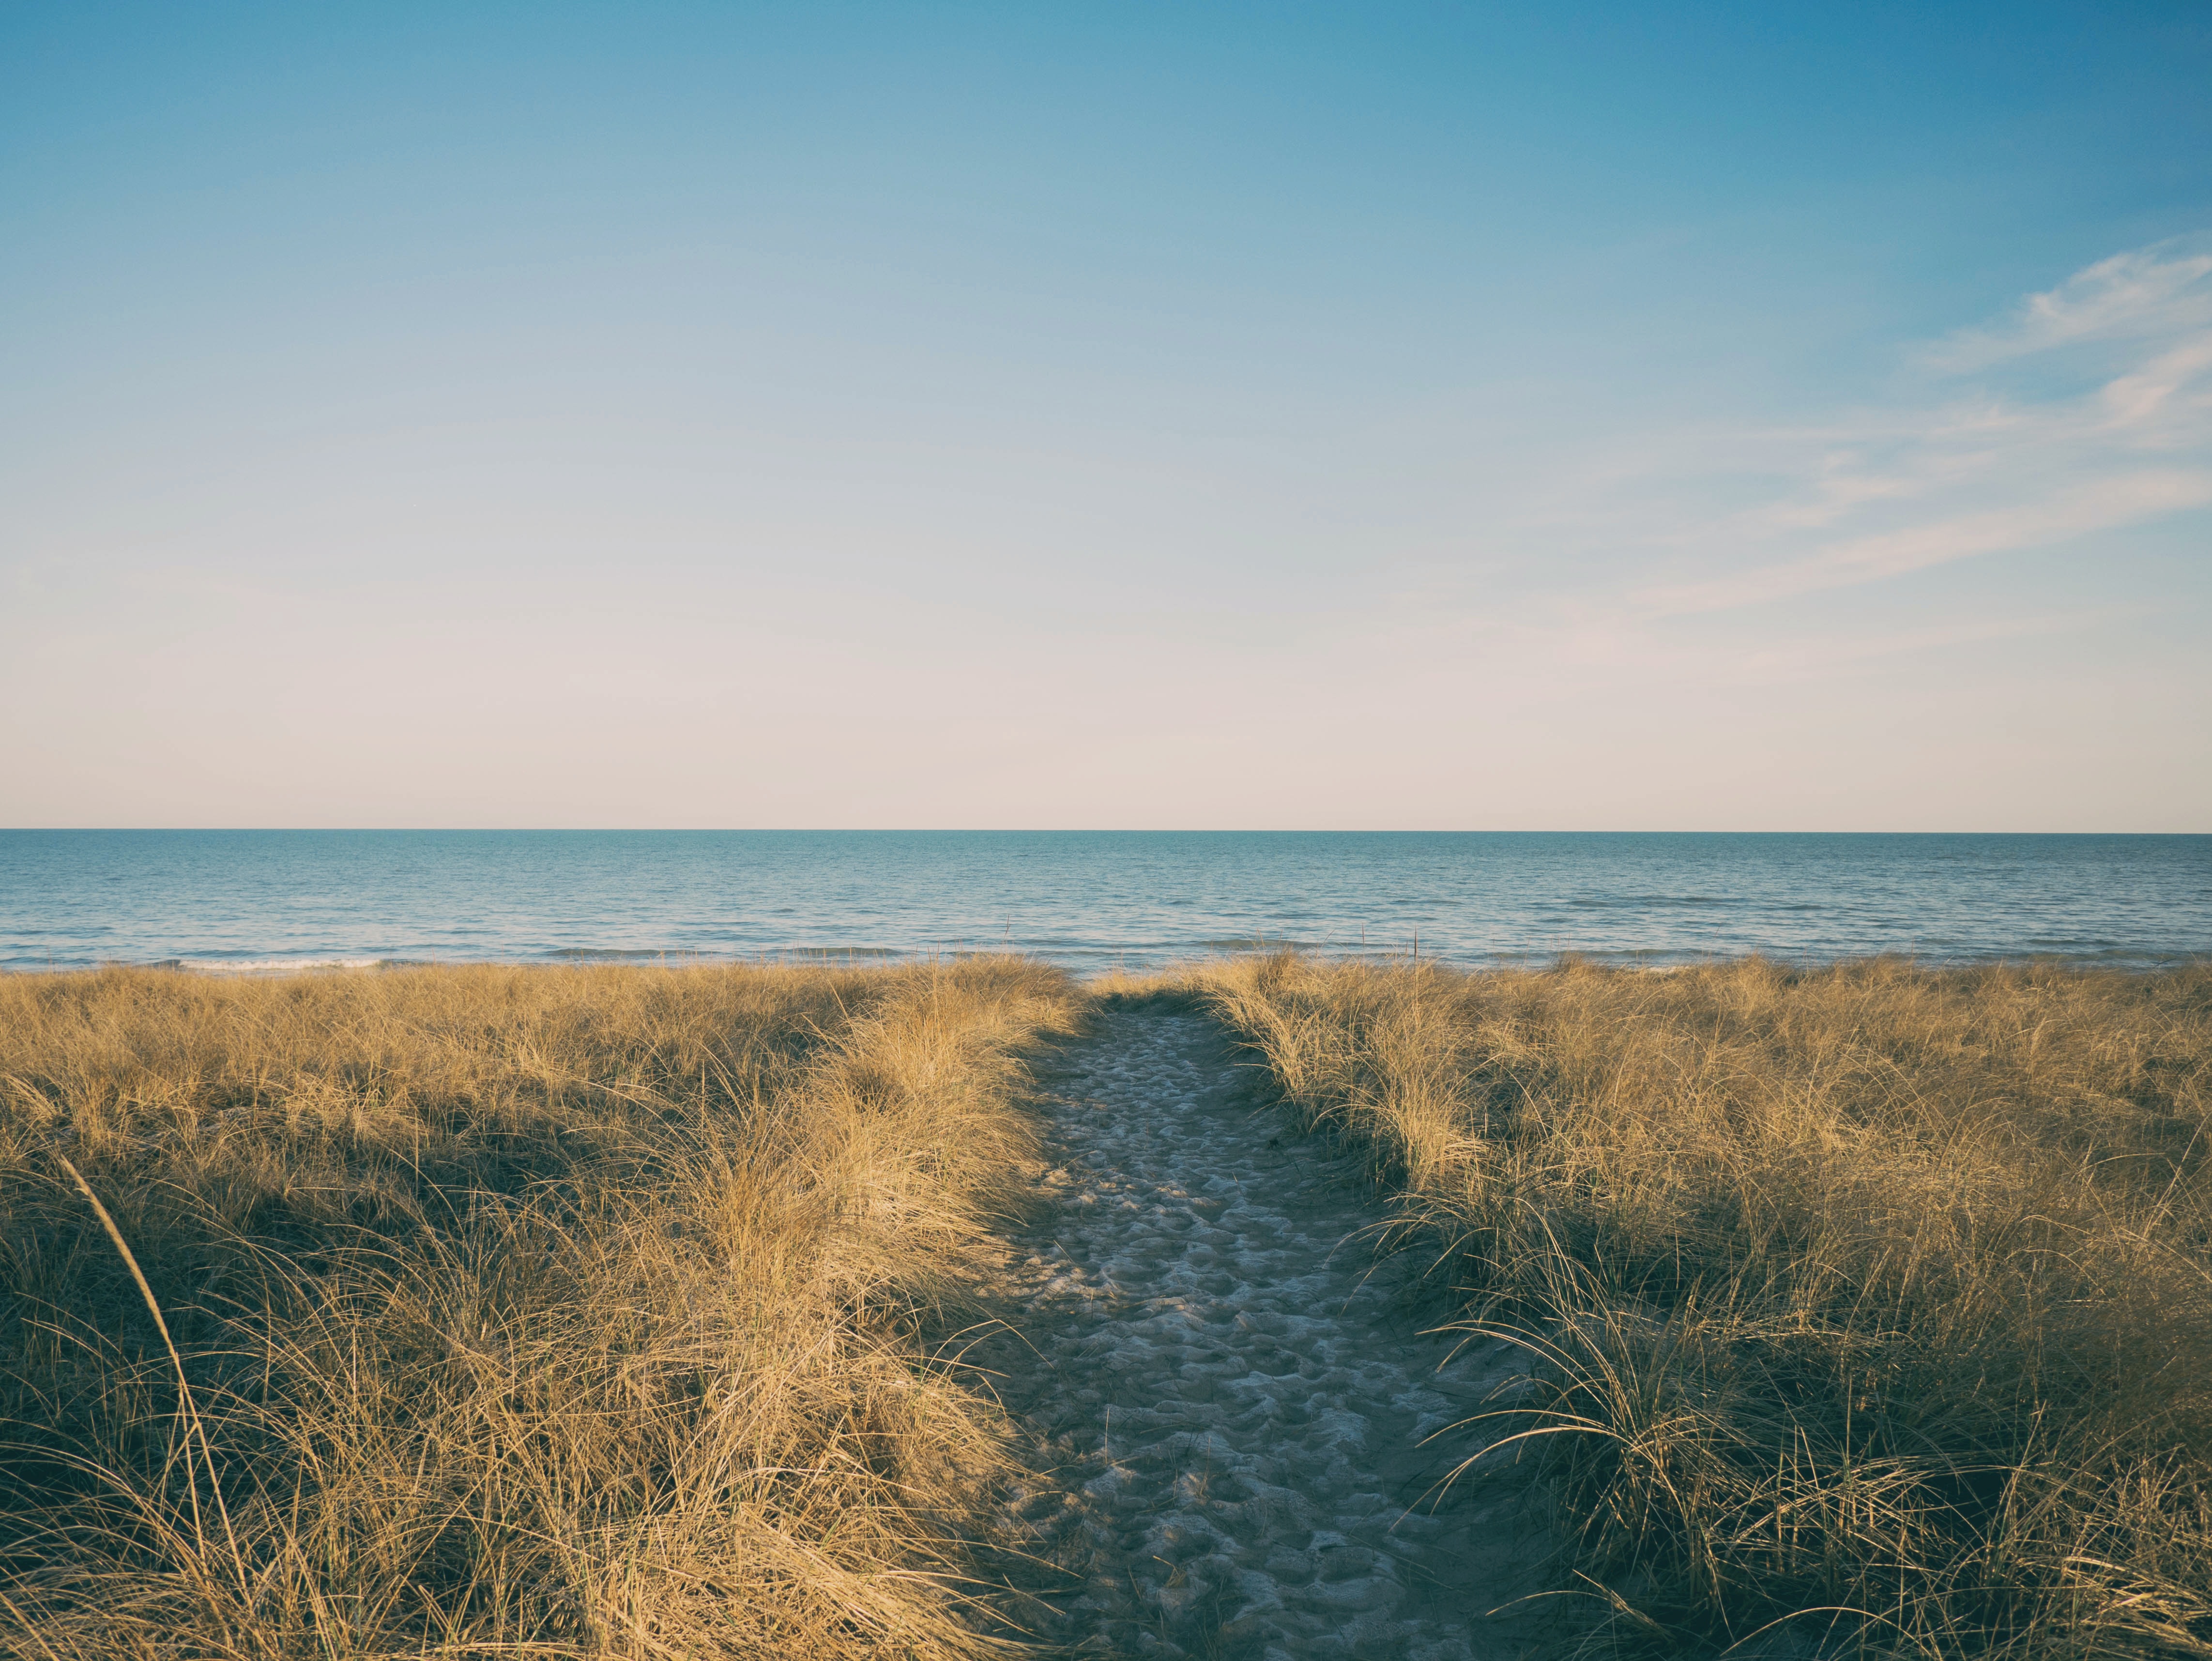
{"x":1227,"y":1396}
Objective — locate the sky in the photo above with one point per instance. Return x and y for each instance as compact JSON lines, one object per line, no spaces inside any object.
{"x":1418,"y":416}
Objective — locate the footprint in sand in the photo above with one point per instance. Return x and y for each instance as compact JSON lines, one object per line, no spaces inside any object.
{"x":1229,"y":1399}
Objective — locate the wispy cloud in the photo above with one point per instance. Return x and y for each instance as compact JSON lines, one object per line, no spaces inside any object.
{"x":2087,"y":409}
{"x":2058,"y":516}
{"x":2155,"y":291}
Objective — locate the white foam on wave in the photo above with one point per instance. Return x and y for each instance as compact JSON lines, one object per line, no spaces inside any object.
{"x":272,"y":965}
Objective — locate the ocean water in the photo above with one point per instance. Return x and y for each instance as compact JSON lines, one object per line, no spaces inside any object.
{"x":1088,"y":899}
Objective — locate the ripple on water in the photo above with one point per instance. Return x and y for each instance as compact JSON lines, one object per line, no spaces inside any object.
{"x":1228,"y":1406}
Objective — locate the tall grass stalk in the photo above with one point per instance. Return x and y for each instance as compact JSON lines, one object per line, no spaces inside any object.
{"x":186,"y":1407}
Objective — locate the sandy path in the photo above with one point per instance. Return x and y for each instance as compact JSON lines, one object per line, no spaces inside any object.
{"x":1229,"y":1402}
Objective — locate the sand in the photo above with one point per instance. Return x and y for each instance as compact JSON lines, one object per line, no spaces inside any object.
{"x":1226,"y":1394}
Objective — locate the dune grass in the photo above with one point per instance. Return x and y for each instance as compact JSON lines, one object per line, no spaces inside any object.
{"x":589,"y":1312}
{"x":1873,"y":1304}
{"x":497,"y":1312}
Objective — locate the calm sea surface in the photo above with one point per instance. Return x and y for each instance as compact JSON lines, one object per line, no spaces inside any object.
{"x":1088,"y":899}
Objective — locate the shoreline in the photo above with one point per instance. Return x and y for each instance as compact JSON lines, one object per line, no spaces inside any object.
{"x":1100,"y":965}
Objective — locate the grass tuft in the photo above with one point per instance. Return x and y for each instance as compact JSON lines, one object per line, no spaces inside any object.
{"x":498,"y":1311}
{"x":1872,"y":1304}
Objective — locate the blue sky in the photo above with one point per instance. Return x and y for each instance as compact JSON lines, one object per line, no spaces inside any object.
{"x":1424,"y":416}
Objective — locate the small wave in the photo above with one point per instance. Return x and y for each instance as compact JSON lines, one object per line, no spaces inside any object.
{"x":264,"y":965}
{"x":1654,"y":902}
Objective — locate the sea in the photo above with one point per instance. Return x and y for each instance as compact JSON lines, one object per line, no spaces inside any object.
{"x":1093,"y":901}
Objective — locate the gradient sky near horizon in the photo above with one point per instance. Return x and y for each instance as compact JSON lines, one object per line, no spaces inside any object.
{"x":1439,"y":416}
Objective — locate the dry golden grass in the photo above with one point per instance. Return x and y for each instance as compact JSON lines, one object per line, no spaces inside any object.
{"x":1874,"y":1303}
{"x":516,"y":1313}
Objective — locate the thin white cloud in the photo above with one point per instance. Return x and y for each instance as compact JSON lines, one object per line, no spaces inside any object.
{"x":2169,"y":399}
{"x":2098,"y":505}
{"x":2156,"y":290}
{"x":2050,"y":456}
